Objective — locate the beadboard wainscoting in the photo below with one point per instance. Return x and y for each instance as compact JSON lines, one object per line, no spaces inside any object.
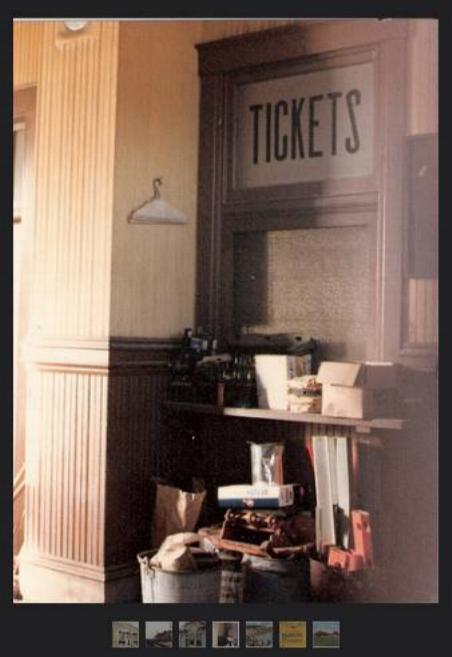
{"x":93,"y":417}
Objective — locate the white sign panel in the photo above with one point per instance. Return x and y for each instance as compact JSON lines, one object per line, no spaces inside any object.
{"x":306,"y":127}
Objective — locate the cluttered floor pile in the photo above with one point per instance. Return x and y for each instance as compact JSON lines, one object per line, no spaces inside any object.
{"x":267,"y":549}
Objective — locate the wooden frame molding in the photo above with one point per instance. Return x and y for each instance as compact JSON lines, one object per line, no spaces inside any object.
{"x":68,"y":582}
{"x":336,"y":192}
{"x":80,"y":569}
{"x":375,"y":201}
{"x":288,"y":42}
{"x":91,"y":355}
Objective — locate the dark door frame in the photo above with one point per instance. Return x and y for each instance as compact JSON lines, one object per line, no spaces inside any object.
{"x":375,"y":201}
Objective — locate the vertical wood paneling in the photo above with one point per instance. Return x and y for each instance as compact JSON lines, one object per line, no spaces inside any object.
{"x":58,"y":455}
{"x":76,"y":135}
{"x":423,"y":311}
{"x":91,"y":531}
{"x":27,"y":52}
{"x":32,"y":470}
{"x":421,"y":320}
{"x":134,"y":402}
{"x":422,"y":106}
{"x":82,"y":480}
{"x":70,"y":471}
{"x":47,"y":445}
{"x":157,"y":134}
{"x":66,"y":473}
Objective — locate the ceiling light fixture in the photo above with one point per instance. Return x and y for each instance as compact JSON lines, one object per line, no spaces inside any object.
{"x":75,"y":24}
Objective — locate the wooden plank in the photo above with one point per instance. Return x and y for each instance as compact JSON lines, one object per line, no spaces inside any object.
{"x":324,"y":485}
{"x":286,"y":416}
{"x":343,"y":484}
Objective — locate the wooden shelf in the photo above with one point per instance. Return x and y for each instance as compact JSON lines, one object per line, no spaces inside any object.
{"x":364,"y":426}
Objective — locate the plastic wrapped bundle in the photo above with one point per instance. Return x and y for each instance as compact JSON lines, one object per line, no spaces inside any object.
{"x":304,"y":394}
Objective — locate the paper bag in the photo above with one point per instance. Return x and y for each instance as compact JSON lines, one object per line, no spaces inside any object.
{"x":175,"y":511}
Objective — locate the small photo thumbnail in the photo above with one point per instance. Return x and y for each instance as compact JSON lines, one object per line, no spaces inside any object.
{"x":159,"y":634}
{"x":225,"y":634}
{"x":326,"y":634}
{"x":292,"y":634}
{"x":192,"y":634}
{"x":259,"y":634}
{"x":125,"y":634}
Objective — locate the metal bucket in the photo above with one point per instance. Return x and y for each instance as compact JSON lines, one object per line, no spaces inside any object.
{"x":275,"y":580}
{"x":162,"y":586}
{"x":231,"y":577}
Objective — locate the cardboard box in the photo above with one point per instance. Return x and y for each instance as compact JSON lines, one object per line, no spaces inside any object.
{"x":347,"y":560}
{"x":358,"y":390}
{"x":273,"y":371}
{"x":256,"y":496}
{"x":362,"y":536}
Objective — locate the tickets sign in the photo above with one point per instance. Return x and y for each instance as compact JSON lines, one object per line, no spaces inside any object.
{"x":306,"y":127}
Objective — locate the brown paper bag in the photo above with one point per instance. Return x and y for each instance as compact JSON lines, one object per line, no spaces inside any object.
{"x":175,"y":511}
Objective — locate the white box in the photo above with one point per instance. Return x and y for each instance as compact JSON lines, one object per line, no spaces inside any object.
{"x":259,"y":496}
{"x":273,"y":371}
{"x":358,"y":390}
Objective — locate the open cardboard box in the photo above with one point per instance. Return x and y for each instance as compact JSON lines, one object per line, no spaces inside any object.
{"x":358,"y":390}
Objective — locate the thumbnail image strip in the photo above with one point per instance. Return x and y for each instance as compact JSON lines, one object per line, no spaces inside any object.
{"x":192,"y":634}
{"x":159,"y":634}
{"x":259,"y":634}
{"x":125,"y":634}
{"x":326,"y":634}
{"x":292,"y":634}
{"x":225,"y":634}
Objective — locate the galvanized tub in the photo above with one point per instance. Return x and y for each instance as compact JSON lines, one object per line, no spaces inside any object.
{"x":231,"y":577}
{"x":159,"y":585}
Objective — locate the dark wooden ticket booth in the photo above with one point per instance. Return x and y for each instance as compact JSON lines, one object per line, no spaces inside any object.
{"x":305,"y":224}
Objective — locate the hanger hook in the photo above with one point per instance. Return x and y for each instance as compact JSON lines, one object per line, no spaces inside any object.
{"x":156,"y":183}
